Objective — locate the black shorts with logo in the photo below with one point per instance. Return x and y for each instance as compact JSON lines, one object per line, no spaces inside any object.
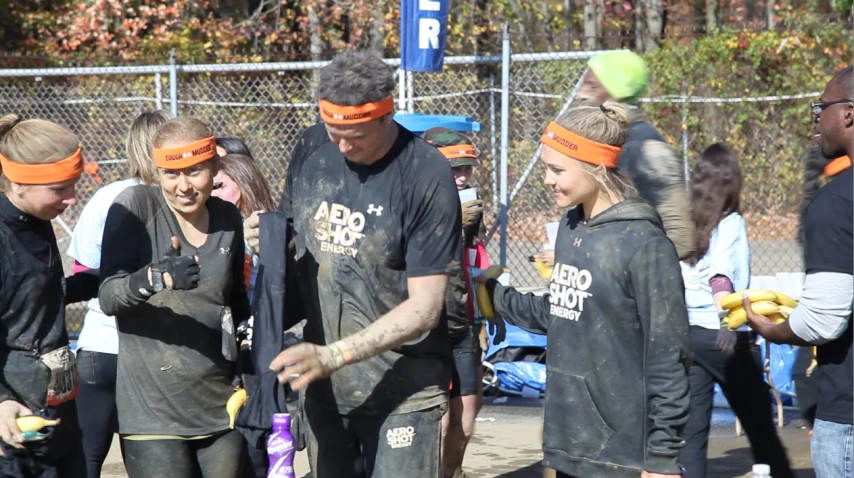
{"x":374,"y":446}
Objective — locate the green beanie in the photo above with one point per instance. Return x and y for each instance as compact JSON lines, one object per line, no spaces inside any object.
{"x":623,"y":73}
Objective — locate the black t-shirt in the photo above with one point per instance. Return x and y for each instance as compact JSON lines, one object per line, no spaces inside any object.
{"x":360,"y":232}
{"x":172,"y":377}
{"x":828,"y":248}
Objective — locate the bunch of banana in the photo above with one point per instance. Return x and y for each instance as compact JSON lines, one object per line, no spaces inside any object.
{"x":234,"y":404}
{"x":484,"y":303}
{"x":774,"y":305}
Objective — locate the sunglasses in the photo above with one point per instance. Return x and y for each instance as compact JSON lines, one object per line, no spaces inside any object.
{"x":818,"y":107}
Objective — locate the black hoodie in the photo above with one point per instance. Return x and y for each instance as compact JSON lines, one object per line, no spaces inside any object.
{"x":617,"y":395}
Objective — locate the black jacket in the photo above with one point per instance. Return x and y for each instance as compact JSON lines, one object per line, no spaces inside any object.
{"x":32,"y":308}
{"x":659,"y":176}
{"x":617,"y":395}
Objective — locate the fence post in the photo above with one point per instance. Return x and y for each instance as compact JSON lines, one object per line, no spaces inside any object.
{"x":492,"y":151}
{"x":410,"y":92}
{"x":173,"y":84}
{"x":505,"y":140}
{"x":158,"y":90}
{"x":685,"y":132}
{"x":401,"y":88}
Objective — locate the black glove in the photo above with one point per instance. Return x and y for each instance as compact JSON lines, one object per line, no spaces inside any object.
{"x":497,"y":329}
{"x":184,"y":272}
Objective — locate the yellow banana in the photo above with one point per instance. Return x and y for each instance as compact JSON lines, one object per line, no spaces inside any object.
{"x":543,"y":269}
{"x":494,"y":272}
{"x":734,"y":300}
{"x":784,"y":299}
{"x":484,"y":303}
{"x":235,"y":403}
{"x":738,"y":316}
{"x":785,"y":311}
{"x":777,"y":318}
{"x":33,"y":423}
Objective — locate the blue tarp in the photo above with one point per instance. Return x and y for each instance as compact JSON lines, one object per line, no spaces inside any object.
{"x":515,"y":376}
{"x":516,"y":337}
{"x":518,"y":377}
{"x":419,"y":123}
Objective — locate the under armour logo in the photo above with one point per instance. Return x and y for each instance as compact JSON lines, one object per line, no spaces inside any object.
{"x":224,"y":250}
{"x":577,"y":242}
{"x":376,"y":210}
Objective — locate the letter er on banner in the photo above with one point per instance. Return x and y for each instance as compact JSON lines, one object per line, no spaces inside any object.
{"x":423,"y":27}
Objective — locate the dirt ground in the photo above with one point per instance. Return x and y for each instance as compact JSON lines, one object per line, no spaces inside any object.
{"x":507,"y":445}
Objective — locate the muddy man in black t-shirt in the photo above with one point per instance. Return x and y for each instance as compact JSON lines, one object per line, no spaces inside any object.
{"x":375,"y":219}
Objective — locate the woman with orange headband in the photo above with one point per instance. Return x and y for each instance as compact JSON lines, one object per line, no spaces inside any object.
{"x":617,"y":395}
{"x":40,"y":162}
{"x":172,"y":270}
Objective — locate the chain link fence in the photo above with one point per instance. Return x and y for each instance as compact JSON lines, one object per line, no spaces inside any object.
{"x":269,"y":106}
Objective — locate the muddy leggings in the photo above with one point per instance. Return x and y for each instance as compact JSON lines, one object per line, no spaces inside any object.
{"x":218,"y":456}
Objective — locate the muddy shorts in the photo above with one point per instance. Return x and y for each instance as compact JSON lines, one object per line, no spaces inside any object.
{"x":465,"y":379}
{"x":405,"y":445}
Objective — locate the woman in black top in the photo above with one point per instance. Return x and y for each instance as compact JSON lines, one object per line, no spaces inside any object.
{"x":41,"y":162}
{"x":172,"y":269}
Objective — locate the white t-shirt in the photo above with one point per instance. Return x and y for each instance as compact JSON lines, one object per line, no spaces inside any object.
{"x":99,"y":331}
{"x":728,"y":255}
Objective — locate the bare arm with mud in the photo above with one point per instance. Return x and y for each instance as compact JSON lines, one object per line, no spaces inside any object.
{"x":414,"y":317}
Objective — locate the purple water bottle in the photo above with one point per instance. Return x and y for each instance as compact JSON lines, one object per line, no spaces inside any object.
{"x":280,"y":448}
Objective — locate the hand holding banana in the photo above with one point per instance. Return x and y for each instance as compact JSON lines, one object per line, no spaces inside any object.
{"x":484,"y":303}
{"x":776,"y":306}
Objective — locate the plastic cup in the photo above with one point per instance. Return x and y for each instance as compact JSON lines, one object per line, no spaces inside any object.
{"x":467,"y":195}
{"x":551,"y":232}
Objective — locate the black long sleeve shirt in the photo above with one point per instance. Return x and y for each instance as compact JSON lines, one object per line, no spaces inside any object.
{"x":32,"y":306}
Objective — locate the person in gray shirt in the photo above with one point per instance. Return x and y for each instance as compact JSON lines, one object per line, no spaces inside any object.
{"x":172,"y":272}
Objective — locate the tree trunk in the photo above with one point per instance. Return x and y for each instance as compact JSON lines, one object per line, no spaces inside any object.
{"x":567,"y":15}
{"x":769,"y":14}
{"x":377,"y":36}
{"x":640,"y":26}
{"x":711,"y":16}
{"x":654,"y":25}
{"x":591,"y":24}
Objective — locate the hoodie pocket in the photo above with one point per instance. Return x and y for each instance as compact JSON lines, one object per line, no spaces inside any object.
{"x":572,"y":423}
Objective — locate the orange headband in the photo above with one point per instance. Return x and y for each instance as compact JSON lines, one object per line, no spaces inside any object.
{"x":337,"y":114}
{"x":47,"y":173}
{"x":458,"y":151}
{"x":837,"y":166}
{"x":577,"y":147}
{"x":185,"y":156}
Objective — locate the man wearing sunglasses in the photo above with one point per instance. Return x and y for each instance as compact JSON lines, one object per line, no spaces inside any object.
{"x":824,"y":317}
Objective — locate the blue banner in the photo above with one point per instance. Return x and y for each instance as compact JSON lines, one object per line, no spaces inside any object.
{"x":423,"y":28}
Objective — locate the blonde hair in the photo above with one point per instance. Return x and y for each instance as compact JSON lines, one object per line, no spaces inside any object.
{"x":34,"y":141}
{"x":139,"y":143}
{"x":607,"y":124}
{"x":180,"y":131}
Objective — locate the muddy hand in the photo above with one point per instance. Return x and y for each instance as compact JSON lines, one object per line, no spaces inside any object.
{"x":304,"y":363}
{"x":472,"y":211}
{"x":179,"y":272}
{"x":251,"y":228}
{"x":10,"y":410}
{"x":547,"y":256}
{"x":726,"y":340}
{"x":174,"y":248}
